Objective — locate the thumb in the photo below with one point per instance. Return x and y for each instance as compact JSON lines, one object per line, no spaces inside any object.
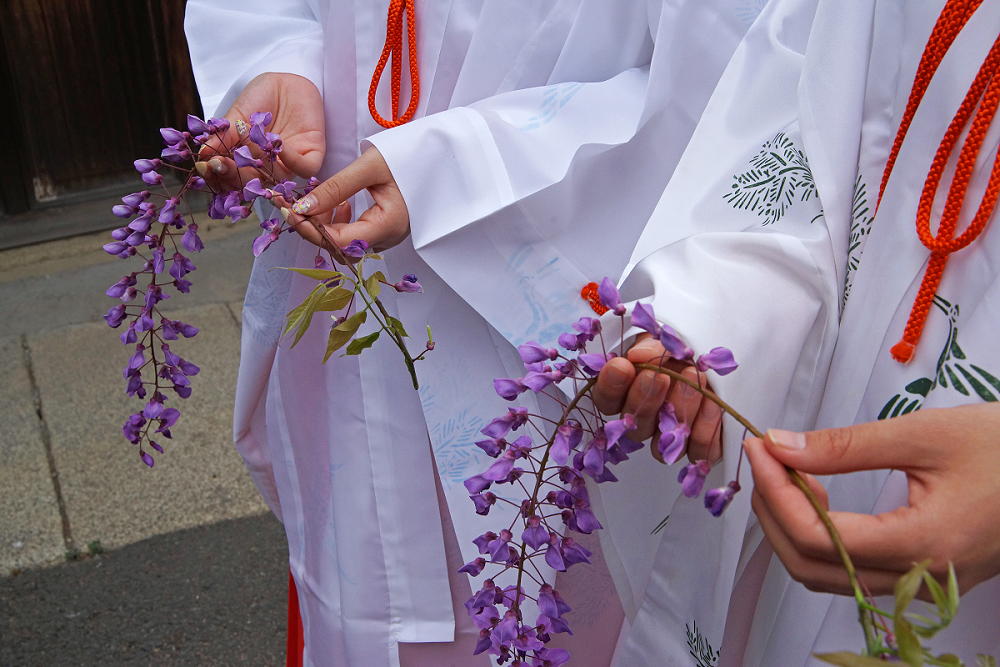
{"x":900,"y":443}
{"x":349,"y":181}
{"x":303,"y":153}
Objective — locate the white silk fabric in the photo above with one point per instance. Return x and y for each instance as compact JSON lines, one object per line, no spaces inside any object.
{"x":548,"y":130}
{"x":765,"y":241}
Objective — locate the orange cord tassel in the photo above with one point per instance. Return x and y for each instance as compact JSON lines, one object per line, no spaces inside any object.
{"x":398,"y":11}
{"x":984,"y":93}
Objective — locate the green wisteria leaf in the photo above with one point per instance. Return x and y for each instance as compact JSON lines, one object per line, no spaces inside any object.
{"x":358,"y":345}
{"x":397,"y":326}
{"x":334,"y":299}
{"x":340,"y":334}
{"x":300,"y":317}
{"x":373,"y":284}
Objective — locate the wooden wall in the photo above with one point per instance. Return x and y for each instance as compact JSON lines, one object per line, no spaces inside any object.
{"x":84,"y":86}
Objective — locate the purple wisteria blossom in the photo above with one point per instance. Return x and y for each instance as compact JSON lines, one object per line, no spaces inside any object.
{"x":545,"y":481}
{"x":692,"y":477}
{"x":718,"y":359}
{"x":356,"y":249}
{"x":161,"y":233}
{"x":408,"y":283}
{"x":717,"y":500}
{"x":672,"y":442}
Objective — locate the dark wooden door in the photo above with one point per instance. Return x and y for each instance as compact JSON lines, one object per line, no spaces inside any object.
{"x":85,"y":85}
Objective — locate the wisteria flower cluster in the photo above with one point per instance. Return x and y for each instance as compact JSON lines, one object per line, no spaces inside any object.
{"x":162,"y":234}
{"x":547,"y":489}
{"x":547,"y":475}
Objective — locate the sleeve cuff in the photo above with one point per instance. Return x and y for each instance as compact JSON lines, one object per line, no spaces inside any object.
{"x":449,"y":170}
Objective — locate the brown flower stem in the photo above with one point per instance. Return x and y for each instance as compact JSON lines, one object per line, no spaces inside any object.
{"x":539,"y":474}
{"x":859,"y":597}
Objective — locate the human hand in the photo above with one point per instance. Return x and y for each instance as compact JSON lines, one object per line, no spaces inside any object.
{"x":297,"y":110}
{"x":382,"y":226}
{"x":620,"y":388}
{"x":951,"y":459}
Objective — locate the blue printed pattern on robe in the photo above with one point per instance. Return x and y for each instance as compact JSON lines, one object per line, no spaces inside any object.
{"x":551,"y":298}
{"x":748,"y":10}
{"x":553,"y":100}
{"x":454,"y":438}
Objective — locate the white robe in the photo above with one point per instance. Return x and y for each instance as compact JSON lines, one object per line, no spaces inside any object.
{"x":549,"y":130}
{"x":810,"y":292}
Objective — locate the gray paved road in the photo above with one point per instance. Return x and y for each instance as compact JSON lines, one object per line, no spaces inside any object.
{"x":211,"y":595}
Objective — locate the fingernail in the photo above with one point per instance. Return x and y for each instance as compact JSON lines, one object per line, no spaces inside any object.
{"x":285,"y":212}
{"x":242,"y":128}
{"x":201,"y":168}
{"x":303,"y":205}
{"x":217,"y":165}
{"x":646,"y":343}
{"x":787,"y":439}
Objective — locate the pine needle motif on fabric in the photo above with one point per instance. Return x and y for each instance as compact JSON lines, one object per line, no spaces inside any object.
{"x":862,"y":216}
{"x":699,"y":648}
{"x":777,"y":177}
{"x":952,"y":370}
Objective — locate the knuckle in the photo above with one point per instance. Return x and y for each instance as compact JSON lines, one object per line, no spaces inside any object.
{"x":811,"y":541}
{"x":839,"y":443}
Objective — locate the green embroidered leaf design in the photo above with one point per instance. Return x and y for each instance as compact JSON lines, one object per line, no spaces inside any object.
{"x":948,"y":373}
{"x":699,"y":648}
{"x":990,"y":379}
{"x":981,"y":389}
{"x":777,"y":176}
{"x":955,"y":382}
{"x":922,"y":387}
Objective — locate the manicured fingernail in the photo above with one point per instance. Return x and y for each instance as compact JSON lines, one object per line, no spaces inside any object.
{"x":303,"y":205}
{"x":242,"y":128}
{"x":218,"y":166}
{"x":787,"y":439}
{"x":201,"y":168}
{"x":285,"y":212}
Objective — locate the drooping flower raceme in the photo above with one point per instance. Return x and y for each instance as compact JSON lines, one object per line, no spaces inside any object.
{"x":545,"y":479}
{"x":161,"y":234}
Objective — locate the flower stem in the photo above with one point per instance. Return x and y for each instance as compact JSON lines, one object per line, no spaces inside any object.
{"x":540,"y":474}
{"x":334,"y":251}
{"x":859,"y":597}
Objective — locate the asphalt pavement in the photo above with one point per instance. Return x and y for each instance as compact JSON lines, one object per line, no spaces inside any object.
{"x":103,"y":561}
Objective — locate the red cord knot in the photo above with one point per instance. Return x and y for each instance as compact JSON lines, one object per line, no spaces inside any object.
{"x":590,"y":295}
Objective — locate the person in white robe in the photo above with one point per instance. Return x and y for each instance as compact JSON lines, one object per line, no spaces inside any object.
{"x":766,"y":241}
{"x":545,"y":131}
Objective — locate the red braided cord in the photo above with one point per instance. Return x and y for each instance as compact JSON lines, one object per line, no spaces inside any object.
{"x":944,"y":242}
{"x":954,"y":16}
{"x":394,"y":48}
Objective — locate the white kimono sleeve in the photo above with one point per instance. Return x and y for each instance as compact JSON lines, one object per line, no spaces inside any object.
{"x":743,"y":251}
{"x":231,"y":42}
{"x":519,"y":199}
